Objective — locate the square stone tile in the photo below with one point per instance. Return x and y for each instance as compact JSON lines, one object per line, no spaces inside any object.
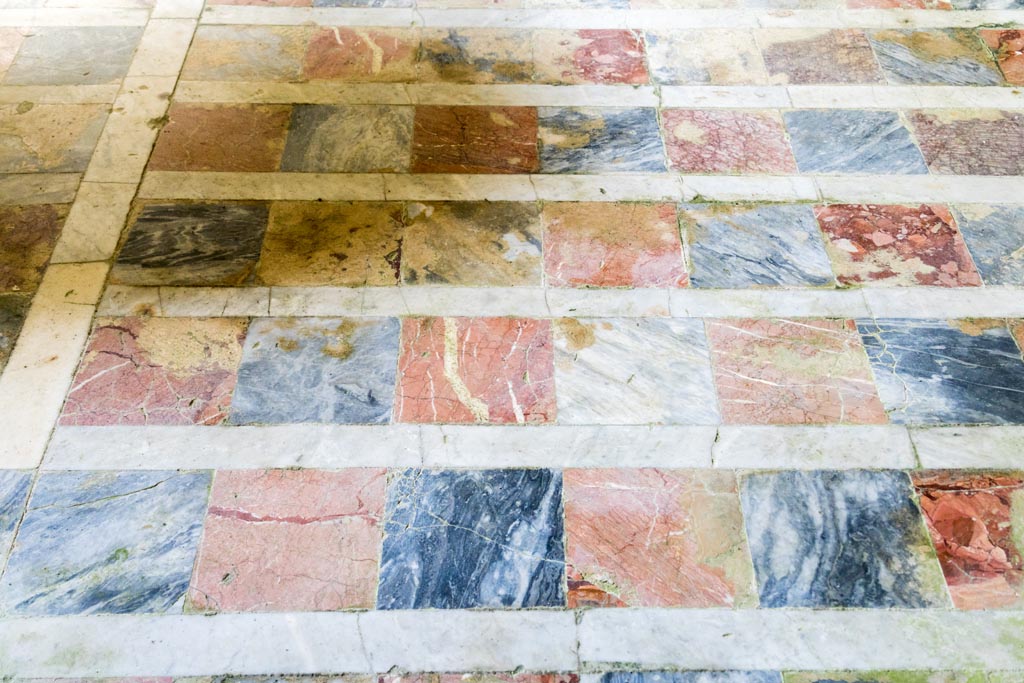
{"x":633,"y":371}
{"x":185,"y":244}
{"x":722,"y":141}
{"x":738,"y":246}
{"x":574,"y":140}
{"x":705,"y":56}
{"x":482,"y":244}
{"x":13,"y":309}
{"x":348,"y":139}
{"x":330,"y":370}
{"x":893,"y":676}
{"x":839,"y":539}
{"x":601,"y":244}
{"x":246,"y":53}
{"x":691,"y":676}
{"x":792,"y":372}
{"x":852,"y":141}
{"x":348,"y":244}
{"x":80,"y":55}
{"x":221,"y":137}
{"x":474,"y":140}
{"x":49,"y":138}
{"x":476,"y":55}
{"x":360,"y":55}
{"x":1008,"y":47}
{"x":27,"y":236}
{"x":995,"y":237}
{"x":599,"y":56}
{"x":14,"y":487}
{"x":156,"y":371}
{"x":482,"y":370}
{"x":290,"y":540}
{"x":973,"y":519}
{"x":938,"y":371}
{"x":953,"y":56}
{"x":655,"y":538}
{"x":464,"y":539}
{"x":896,"y":245}
{"x":106,"y":543}
{"x":807,"y":56}
{"x":971,"y":142}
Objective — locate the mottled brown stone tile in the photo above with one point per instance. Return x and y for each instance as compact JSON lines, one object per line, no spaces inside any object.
{"x":362,"y":54}
{"x":27,"y":237}
{"x":54,"y":138}
{"x":246,"y":53}
{"x":474,"y":140}
{"x":818,"y":56}
{"x":960,"y":142}
{"x":476,"y":55}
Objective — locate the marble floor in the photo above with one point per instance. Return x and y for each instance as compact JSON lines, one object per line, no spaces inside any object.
{"x":512,"y":341}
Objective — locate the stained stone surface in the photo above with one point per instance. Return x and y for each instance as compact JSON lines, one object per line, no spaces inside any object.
{"x":330,"y":370}
{"x":1008,"y":47}
{"x":13,"y":308}
{"x":483,"y":538}
{"x":995,"y":236}
{"x":27,"y":237}
{"x":49,"y":138}
{"x":476,"y":55}
{"x":358,"y":54}
{"x":935,"y":57}
{"x":722,"y":141}
{"x":246,"y":53}
{"x":192,"y":244}
{"x":474,"y":140}
{"x":348,"y":139}
{"x":852,"y":141}
{"x":807,"y":56}
{"x":633,"y":371}
{"x":963,"y":142}
{"x":14,"y":488}
{"x":599,"y":141}
{"x":831,"y":539}
{"x":106,"y":543}
{"x":706,"y":56}
{"x":81,"y":55}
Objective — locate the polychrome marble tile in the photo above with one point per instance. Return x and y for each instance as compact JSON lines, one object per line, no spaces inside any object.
{"x":81,"y":55}
{"x":290,"y":540}
{"x":330,"y":370}
{"x":602,"y":56}
{"x":831,"y":539}
{"x":971,"y":142}
{"x":953,"y":56}
{"x":988,"y":4}
{"x":246,"y":53}
{"x":191,"y":244}
{"x":349,"y":244}
{"x":972,"y":518}
{"x":1008,"y":47}
{"x":602,"y":244}
{"x":49,"y":138}
{"x":348,"y":139}
{"x":899,"y":4}
{"x":106,"y":543}
{"x":13,"y":308}
{"x":792,"y":372}
{"x":806,"y":56}
{"x":692,"y":677}
{"x":476,"y":55}
{"x":484,"y":244}
{"x":357,"y":54}
{"x":655,"y":538}
{"x":737,"y":246}
{"x":896,"y":245}
{"x":938,"y":371}
{"x":156,"y":371}
{"x":463,"y":539}
{"x":705,"y":56}
{"x":221,"y":137}
{"x":482,"y":370}
{"x":722,"y":141}
{"x":27,"y":236}
{"x":852,"y":141}
{"x":633,"y":371}
{"x":14,"y":487}
{"x":583,"y":140}
{"x":995,"y":236}
{"x":897,"y":676}
{"x":474,"y":140}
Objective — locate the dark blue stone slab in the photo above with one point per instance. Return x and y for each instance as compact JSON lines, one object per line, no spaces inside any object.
{"x":852,"y":141}
{"x":599,"y":141}
{"x":692,"y":677}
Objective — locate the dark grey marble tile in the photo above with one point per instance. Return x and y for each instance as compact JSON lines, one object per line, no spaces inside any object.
{"x":74,"y":55}
{"x":995,"y":237}
{"x":349,"y":139}
{"x":599,"y":140}
{"x":935,"y":57}
{"x":852,"y":141}
{"x":13,"y":308}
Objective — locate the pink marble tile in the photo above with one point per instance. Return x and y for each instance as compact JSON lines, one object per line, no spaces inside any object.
{"x":590,"y":56}
{"x":278,"y":540}
{"x":721,"y":141}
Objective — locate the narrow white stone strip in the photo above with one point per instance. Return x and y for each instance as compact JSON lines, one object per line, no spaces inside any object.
{"x":214,"y":301}
{"x":923,"y":188}
{"x":749,"y":188}
{"x":767,"y":303}
{"x":725,"y":96}
{"x":177,"y":9}
{"x":607,"y":188}
{"x":904,"y":97}
{"x":94,"y":224}
{"x":38,"y":188}
{"x":40,"y":368}
{"x":970,"y":447}
{"x":629,"y":303}
{"x":824,"y":447}
{"x":945,"y":302}
{"x":126,"y":300}
{"x":297,"y":186}
{"x":324,"y":16}
{"x":429,"y":186}
{"x":161,"y":51}
{"x":58,"y":94}
{"x":74,"y":17}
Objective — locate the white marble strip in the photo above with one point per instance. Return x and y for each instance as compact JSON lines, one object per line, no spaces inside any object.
{"x":177,"y":9}
{"x":83,"y":16}
{"x":38,"y":188}
{"x":970,"y":447}
{"x":903,"y":97}
{"x":922,"y":188}
{"x":58,"y":94}
{"x":93,"y":226}
{"x":162,"y":48}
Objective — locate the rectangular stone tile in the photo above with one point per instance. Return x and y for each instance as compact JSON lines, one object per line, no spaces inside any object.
{"x":246,"y":53}
{"x":971,"y":142}
{"x":589,"y":56}
{"x":329,"y":370}
{"x":895,"y":676}
{"x":655,"y":538}
{"x":38,"y":188}
{"x":14,"y":488}
{"x":474,"y":140}
{"x":13,"y":308}
{"x":476,"y":55}
{"x":1008,"y":48}
{"x":50,"y":138}
{"x":483,"y":538}
{"x":803,"y":56}
{"x":691,"y":677}
{"x":831,"y":539}
{"x":357,"y":55}
{"x":934,"y":57}
{"x":995,"y":237}
{"x":483,"y":370}
{"x":79,"y":55}
{"x":585,"y":140}
{"x":852,"y":141}
{"x":27,"y":237}
{"x":721,"y":141}
{"x":711,"y":56}
{"x":969,"y":446}
{"x":106,"y":543}
{"x":633,"y":371}
{"x":349,"y":139}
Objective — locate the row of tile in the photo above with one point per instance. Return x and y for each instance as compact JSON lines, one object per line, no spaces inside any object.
{"x":631,"y":4}
{"x":693,"y":676}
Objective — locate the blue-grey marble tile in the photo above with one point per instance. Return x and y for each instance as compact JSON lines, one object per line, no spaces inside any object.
{"x":852,"y":141}
{"x":461,"y":539}
{"x":348,"y":139}
{"x":106,"y":543}
{"x":936,"y":371}
{"x":852,"y":538}
{"x":754,"y":246}
{"x":192,"y":244}
{"x":935,"y":57}
{"x":328,"y":370}
{"x":14,"y":487}
{"x":692,"y":677}
{"x":86,"y":55}
{"x":988,"y":4}
{"x":599,"y":140}
{"x":995,"y":238}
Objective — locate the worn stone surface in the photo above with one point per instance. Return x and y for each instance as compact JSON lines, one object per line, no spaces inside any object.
{"x":971,"y":142}
{"x":474,"y":140}
{"x":348,"y":139}
{"x":80,"y":55}
{"x":716,"y":141}
{"x":27,"y":237}
{"x":805,"y":56}
{"x":599,"y":141}
{"x":246,"y":53}
{"x":852,"y":141}
{"x":705,"y":56}
{"x":358,"y":55}
{"x":476,"y":55}
{"x":49,"y":138}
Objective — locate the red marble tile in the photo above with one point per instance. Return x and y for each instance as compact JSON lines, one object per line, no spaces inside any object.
{"x":474,"y":140}
{"x":971,"y":517}
{"x":901,"y":245}
{"x":1008,"y":47}
{"x":358,"y":54}
{"x":283,"y":540}
{"x":971,"y":142}
{"x":590,"y":56}
{"x":655,"y":538}
{"x":487,"y":370}
{"x":27,"y":237}
{"x":217,"y":137}
{"x":601,"y":244}
{"x":720,"y":141}
{"x":792,"y":372}
{"x":156,"y":371}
